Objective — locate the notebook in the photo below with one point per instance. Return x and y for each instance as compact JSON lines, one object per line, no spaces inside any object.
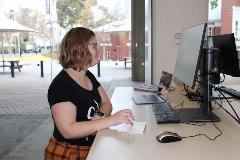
{"x":136,"y":128}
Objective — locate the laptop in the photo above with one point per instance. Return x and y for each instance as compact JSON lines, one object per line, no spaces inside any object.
{"x":165,"y":82}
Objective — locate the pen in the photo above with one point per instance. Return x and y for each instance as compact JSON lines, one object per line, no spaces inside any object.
{"x":131,"y":120}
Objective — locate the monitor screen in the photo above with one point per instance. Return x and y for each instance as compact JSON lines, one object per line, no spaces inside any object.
{"x":191,"y":44}
{"x":193,"y":58}
{"x":166,"y":79}
{"x":228,"y":57}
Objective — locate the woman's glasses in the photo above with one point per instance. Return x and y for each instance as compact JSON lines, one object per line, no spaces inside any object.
{"x":93,"y":45}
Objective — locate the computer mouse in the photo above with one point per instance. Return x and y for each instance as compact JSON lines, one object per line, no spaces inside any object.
{"x":167,"y":137}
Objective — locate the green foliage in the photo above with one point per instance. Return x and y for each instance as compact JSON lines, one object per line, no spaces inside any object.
{"x":22,"y":45}
{"x":214,"y":4}
{"x":79,"y":13}
{"x":86,"y":17}
{"x":106,"y":18}
{"x":68,"y":12}
{"x":33,"y":19}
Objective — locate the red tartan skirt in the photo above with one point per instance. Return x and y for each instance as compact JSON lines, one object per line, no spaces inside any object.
{"x":56,"y":150}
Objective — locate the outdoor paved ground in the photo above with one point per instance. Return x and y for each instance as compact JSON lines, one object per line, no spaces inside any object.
{"x":25,"y":119}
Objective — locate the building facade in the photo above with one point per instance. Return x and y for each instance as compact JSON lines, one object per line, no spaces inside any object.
{"x":229,"y":21}
{"x":114,"y":45}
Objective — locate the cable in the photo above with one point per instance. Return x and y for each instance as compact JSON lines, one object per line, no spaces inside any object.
{"x":217,"y":104}
{"x":166,"y":96}
{"x":185,"y":88}
{"x":231,"y":107}
{"x":192,"y":96}
{"x":221,"y":106}
{"x":202,"y":134}
{"x":228,"y":112}
{"x":232,"y":100}
{"x":195,"y":124}
{"x":159,"y":94}
{"x":178,"y":105}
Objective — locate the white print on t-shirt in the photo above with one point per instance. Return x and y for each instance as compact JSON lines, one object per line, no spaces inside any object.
{"x":96,"y":104}
{"x":92,"y":109}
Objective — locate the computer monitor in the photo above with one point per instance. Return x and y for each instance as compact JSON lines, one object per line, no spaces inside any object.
{"x":192,"y":61}
{"x":191,"y":44}
{"x":228,"y":56}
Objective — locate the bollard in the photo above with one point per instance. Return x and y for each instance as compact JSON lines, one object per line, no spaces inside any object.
{"x":12,"y":69}
{"x":125,"y":62}
{"x":98,"y":68}
{"x":41,"y":65}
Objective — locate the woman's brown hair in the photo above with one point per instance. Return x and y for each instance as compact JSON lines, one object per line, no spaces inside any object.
{"x":73,"y":50}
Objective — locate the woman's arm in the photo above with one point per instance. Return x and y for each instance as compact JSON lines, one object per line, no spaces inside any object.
{"x":106,"y":107}
{"x":64,"y":115}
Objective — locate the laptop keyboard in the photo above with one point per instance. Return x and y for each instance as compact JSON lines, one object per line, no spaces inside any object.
{"x":147,"y":99}
{"x":151,"y":98}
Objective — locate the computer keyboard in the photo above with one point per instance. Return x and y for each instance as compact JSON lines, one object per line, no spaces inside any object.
{"x":216,"y":95}
{"x":231,"y":92}
{"x":164,"y":113}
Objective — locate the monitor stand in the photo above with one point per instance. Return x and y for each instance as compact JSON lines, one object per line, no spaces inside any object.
{"x":204,"y":112}
{"x":195,"y":115}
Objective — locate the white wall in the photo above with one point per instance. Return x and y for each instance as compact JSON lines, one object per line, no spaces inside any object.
{"x":169,"y":18}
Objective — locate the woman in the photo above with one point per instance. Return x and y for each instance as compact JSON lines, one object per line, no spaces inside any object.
{"x":79,"y":104}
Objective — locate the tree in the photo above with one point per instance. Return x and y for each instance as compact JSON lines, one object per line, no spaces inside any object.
{"x":7,"y":37}
{"x":79,"y":12}
{"x":68,"y":12}
{"x":86,"y":17}
{"x":23,"y":18}
{"x":106,"y":18}
{"x":31,"y":18}
{"x":214,"y":4}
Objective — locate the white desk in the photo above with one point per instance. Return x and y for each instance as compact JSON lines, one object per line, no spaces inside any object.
{"x":113,"y":145}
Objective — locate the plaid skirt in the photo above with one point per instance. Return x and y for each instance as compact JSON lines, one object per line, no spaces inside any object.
{"x":56,"y":150}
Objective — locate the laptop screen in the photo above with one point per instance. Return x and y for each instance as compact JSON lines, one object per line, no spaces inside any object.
{"x":165,"y":79}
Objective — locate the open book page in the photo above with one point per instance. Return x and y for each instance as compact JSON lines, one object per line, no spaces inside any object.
{"x":136,"y":128}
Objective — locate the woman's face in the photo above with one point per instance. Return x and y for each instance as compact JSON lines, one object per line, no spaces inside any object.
{"x":92,"y":46}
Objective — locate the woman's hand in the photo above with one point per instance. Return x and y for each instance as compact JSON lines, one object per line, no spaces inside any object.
{"x":122,"y":116}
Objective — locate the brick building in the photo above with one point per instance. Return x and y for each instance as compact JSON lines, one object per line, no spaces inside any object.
{"x":227,"y":15}
{"x":228,"y":21}
{"x":114,"y":40}
{"x":115,"y":45}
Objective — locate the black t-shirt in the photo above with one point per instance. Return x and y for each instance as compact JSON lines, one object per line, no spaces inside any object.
{"x":64,"y":89}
